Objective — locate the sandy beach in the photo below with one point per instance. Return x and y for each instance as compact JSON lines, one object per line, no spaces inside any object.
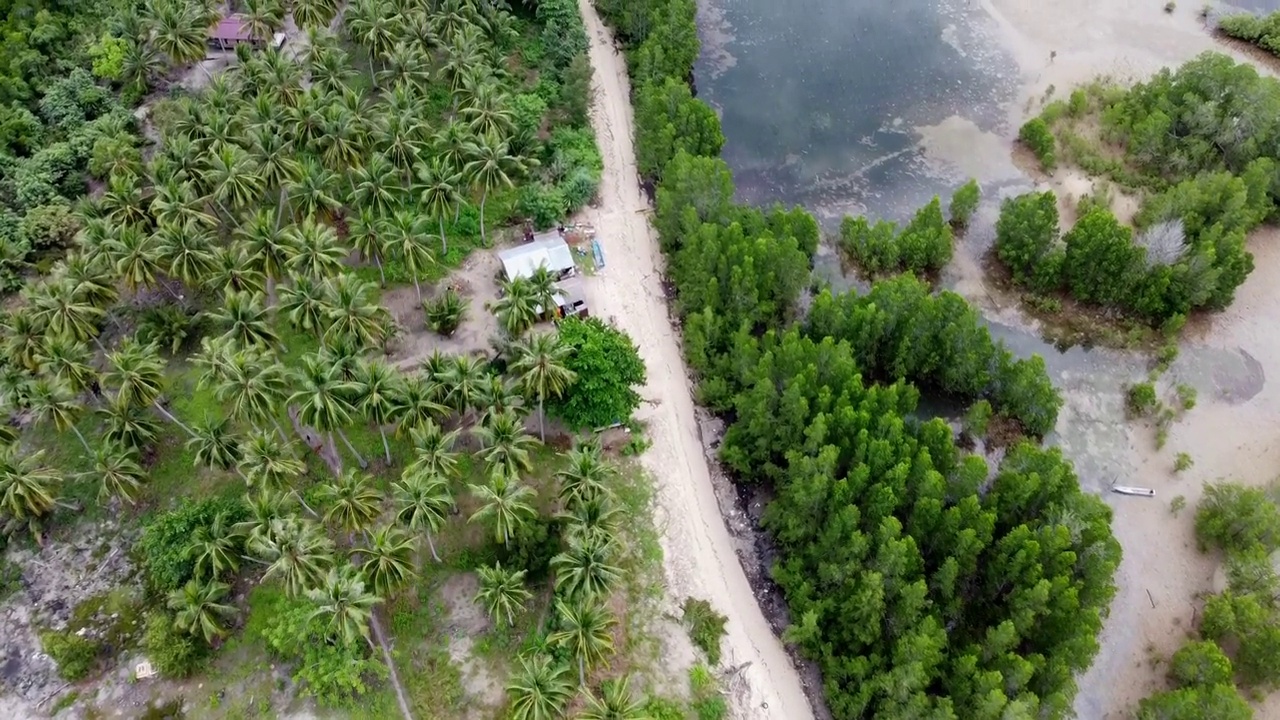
{"x":698,"y":554}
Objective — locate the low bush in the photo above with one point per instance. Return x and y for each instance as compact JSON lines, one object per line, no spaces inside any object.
{"x":1141,"y":400}
{"x":705,"y":626}
{"x":75,"y":655}
{"x":170,"y":650}
{"x":964,"y":203}
{"x":163,"y":548}
{"x":1035,"y":134}
{"x":446,"y":312}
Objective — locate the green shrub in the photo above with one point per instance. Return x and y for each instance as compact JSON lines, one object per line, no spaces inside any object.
{"x":1182,"y":462}
{"x":964,"y":203}
{"x":1237,"y":519}
{"x":544,"y":205}
{"x":10,"y":577}
{"x":978,"y":418}
{"x":1035,"y":134}
{"x":658,"y":708}
{"x":1141,"y":399}
{"x":1078,"y":105}
{"x":705,"y":626}
{"x":1200,"y":663}
{"x":163,"y":548}
{"x":335,"y":673}
{"x":170,"y":650}
{"x":1186,"y":396}
{"x":75,"y":656}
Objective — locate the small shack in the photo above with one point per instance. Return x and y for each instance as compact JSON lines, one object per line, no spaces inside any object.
{"x":547,"y":250}
{"x":230,"y":32}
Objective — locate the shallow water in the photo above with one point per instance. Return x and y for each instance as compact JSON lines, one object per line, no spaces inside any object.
{"x":875,"y":107}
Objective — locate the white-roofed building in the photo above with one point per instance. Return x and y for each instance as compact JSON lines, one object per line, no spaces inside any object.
{"x":548,"y":250}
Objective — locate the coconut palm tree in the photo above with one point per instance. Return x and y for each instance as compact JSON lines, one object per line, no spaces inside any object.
{"x":136,"y":371}
{"x":184,"y":252}
{"x":319,"y":254}
{"x":51,"y":402}
{"x":375,"y":187}
{"x":585,"y":632}
{"x":255,"y":384}
{"x":505,"y":444}
{"x":244,"y":318}
{"x":416,"y":405}
{"x":371,"y":24}
{"x":491,"y":166}
{"x":28,"y":489}
{"x":330,"y":69}
{"x":313,"y":14}
{"x":268,"y":458}
{"x":24,"y":335}
{"x":407,"y":241}
{"x":352,"y":315}
{"x":345,"y":604}
{"x":265,"y":507}
{"x":118,"y":474}
{"x":538,"y":689}
{"x":599,"y":515}
{"x":364,"y":230}
{"x":502,"y":592}
{"x":233,"y":270}
{"x":422,"y":502}
{"x":215,"y":548}
{"x":141,"y":64}
{"x":342,"y":135}
{"x":314,"y":193}
{"x":400,"y":134}
{"x":487,"y":110}
{"x":354,"y":502}
{"x":269,"y":249}
{"x":136,"y":257}
{"x":499,"y":395}
{"x":234,"y":179}
{"x":178,"y":30}
{"x":615,"y":703}
{"x":262,"y":18}
{"x":504,"y":503}
{"x":177,"y":203}
{"x":66,"y":361}
{"x":323,"y":401}
{"x":128,"y":425}
{"x":539,"y":362}
{"x":303,"y":302}
{"x":542,"y":285}
{"x":585,"y":570}
{"x":434,"y":450}
{"x":343,"y":355}
{"x":214,"y":445}
{"x":462,"y":380}
{"x":90,"y":277}
{"x":439,"y":191}
{"x":297,"y":553}
{"x":516,"y":307}
{"x":64,"y":311}
{"x":405,"y":64}
{"x":376,"y":389}
{"x":277,"y":161}
{"x":585,"y":476}
{"x":387,"y":563}
{"x":199,"y":609}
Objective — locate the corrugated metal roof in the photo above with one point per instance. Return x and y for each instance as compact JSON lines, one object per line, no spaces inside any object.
{"x":551,"y":252}
{"x":231,"y":29}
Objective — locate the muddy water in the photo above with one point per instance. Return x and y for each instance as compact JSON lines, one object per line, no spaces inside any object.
{"x":874,"y":106}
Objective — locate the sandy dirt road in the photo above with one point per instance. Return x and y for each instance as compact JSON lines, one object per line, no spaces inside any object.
{"x":698,"y":555}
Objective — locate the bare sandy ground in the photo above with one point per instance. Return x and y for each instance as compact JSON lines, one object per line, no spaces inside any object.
{"x":699,"y":558}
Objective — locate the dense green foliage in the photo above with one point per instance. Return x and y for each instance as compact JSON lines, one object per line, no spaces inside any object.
{"x":75,"y":655}
{"x":173,"y":653}
{"x":1170,"y":268}
{"x":1237,"y":519}
{"x":164,"y":547}
{"x":923,"y":247}
{"x":923,"y":589}
{"x":608,"y":369}
{"x":1035,"y":134}
{"x":705,"y":626}
{"x":899,"y":331}
{"x":1263,"y":31}
{"x":964,"y":203}
{"x":670,"y":120}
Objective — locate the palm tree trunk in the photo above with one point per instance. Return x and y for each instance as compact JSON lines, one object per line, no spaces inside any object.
{"x":542,"y":421}
{"x":444,"y":241}
{"x":582,"y":672}
{"x":283,"y":438}
{"x":83,"y":442}
{"x":381,"y":274}
{"x":483,"y":197}
{"x":280,"y":208}
{"x":376,"y":626}
{"x":386,"y":449}
{"x":271,"y":292}
{"x":169,"y":416}
{"x":417,"y":287}
{"x":432,"y":544}
{"x":359,"y":458}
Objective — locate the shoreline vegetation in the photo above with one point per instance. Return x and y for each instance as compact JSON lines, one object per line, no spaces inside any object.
{"x":895,"y":546}
{"x":1203,"y":183}
{"x":207,"y":386}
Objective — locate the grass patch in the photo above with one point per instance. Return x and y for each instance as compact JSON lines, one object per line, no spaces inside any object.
{"x":705,"y":626}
